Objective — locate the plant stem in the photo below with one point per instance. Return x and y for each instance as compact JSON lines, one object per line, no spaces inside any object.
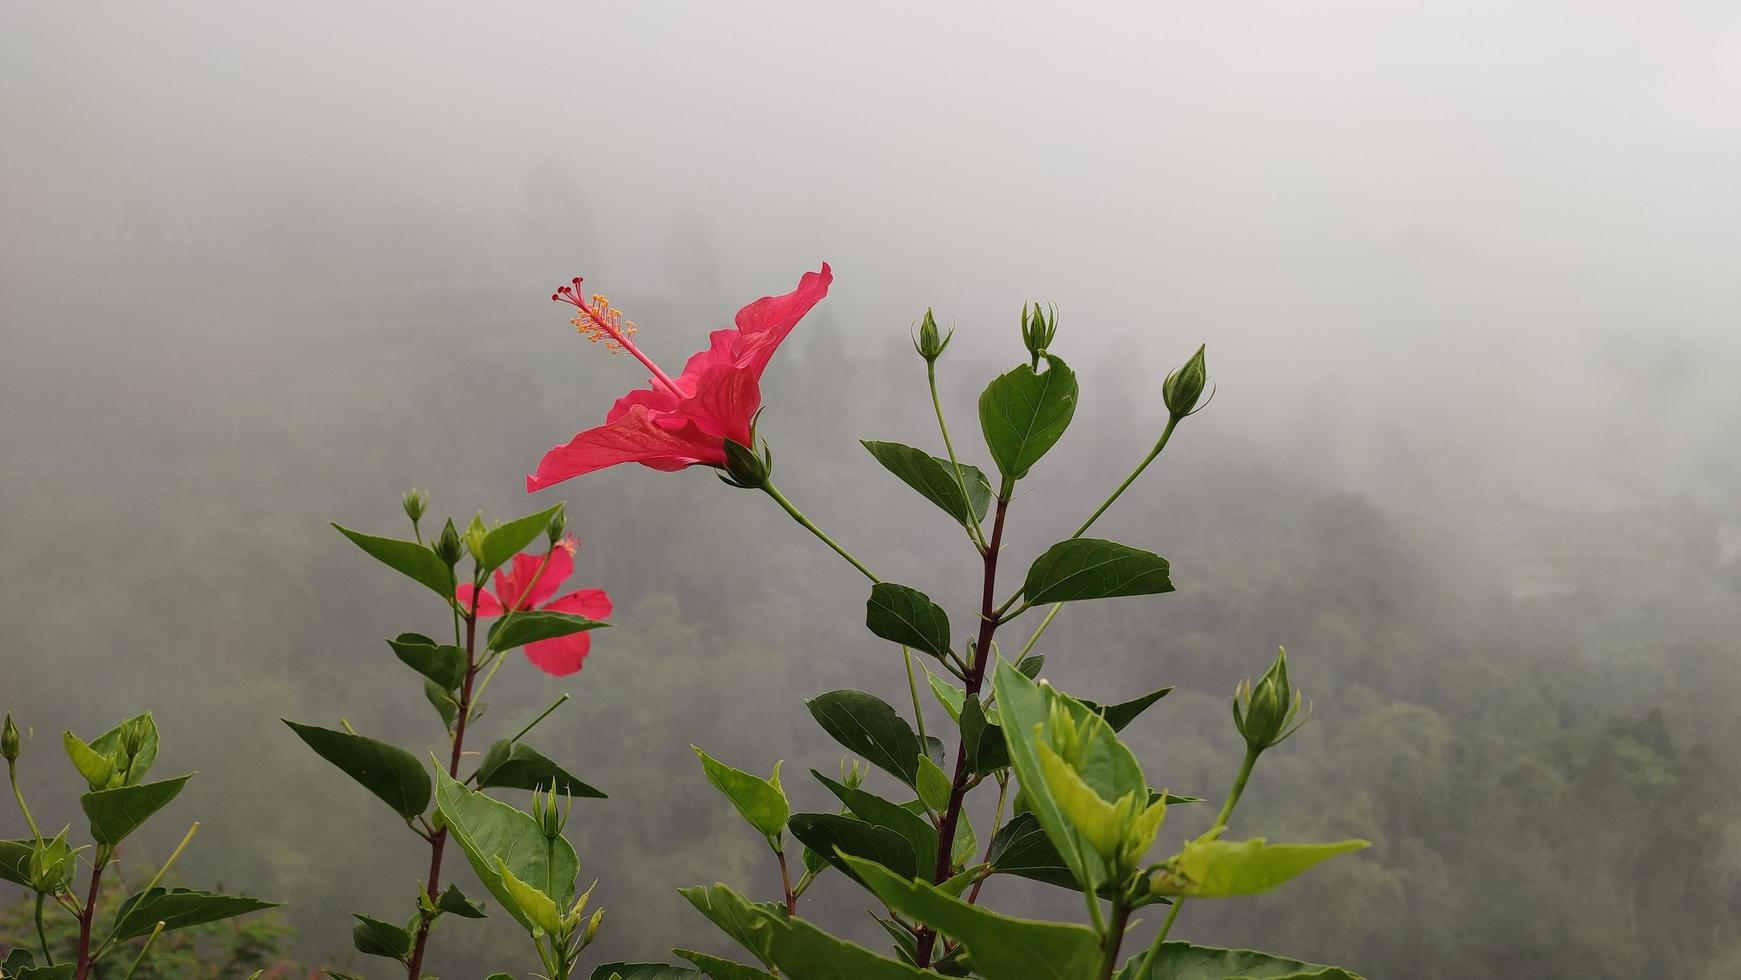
{"x":155,"y":932}
{"x":1003,"y":788}
{"x":798,"y":515}
{"x":89,"y":915}
{"x":18,"y":794}
{"x":913,"y":688}
{"x":534,"y":722}
{"x":988,"y":625}
{"x":1160,"y":444}
{"x":1113,"y":938}
{"x":786,"y":885}
{"x":439,"y":843}
{"x":42,"y":933}
{"x":975,"y":532}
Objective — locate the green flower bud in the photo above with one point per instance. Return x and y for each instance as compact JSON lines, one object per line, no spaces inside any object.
{"x":414,"y":502}
{"x":1269,"y":711}
{"x":475,"y":532}
{"x":558,"y":524}
{"x":851,"y":774}
{"x":1185,"y":385}
{"x":592,"y":925}
{"x":931,"y":343}
{"x":744,"y":468}
{"x":549,"y":812}
{"x":10,"y":744}
{"x":448,"y":546}
{"x":52,"y":865}
{"x":1039,"y":327}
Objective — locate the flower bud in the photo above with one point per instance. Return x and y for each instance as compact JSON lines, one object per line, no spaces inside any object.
{"x":558,"y":524}
{"x":1038,"y":328}
{"x":744,"y":468}
{"x":10,"y":744}
{"x":52,"y":865}
{"x":548,"y":811}
{"x":851,"y":774}
{"x":931,"y":343}
{"x":475,"y":532}
{"x":1185,"y":385}
{"x":415,"y":502}
{"x":1268,"y":712}
{"x":592,"y":925}
{"x":448,"y":546}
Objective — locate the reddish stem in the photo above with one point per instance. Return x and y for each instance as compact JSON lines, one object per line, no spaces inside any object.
{"x":786,"y":885}
{"x":988,"y":624}
{"x":85,"y":921}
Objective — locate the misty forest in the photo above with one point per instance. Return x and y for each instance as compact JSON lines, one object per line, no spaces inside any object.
{"x":1402,"y":334}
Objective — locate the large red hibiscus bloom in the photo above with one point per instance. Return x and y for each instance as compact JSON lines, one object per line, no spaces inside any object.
{"x":529,"y":585}
{"x":681,"y":421}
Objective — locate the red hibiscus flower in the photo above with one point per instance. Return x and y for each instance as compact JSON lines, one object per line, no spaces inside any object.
{"x":530,"y":585}
{"x":681,"y":421}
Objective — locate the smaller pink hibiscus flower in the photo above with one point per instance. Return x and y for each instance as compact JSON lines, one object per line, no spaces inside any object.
{"x":529,"y":585}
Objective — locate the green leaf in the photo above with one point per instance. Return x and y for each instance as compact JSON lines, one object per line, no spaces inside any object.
{"x":1122,"y":714}
{"x":442,"y":701}
{"x":983,"y":739}
{"x":408,"y":558}
{"x":948,"y":695}
{"x":643,"y":971}
{"x":869,"y":727}
{"x":376,"y":938}
{"x":537,"y":624}
{"x":1092,"y":568}
{"x":934,"y":785}
{"x":1213,"y":868}
{"x":95,"y":766}
{"x":908,"y":617}
{"x":442,"y":663}
{"x":798,"y":949}
{"x":1183,"y":961}
{"x":878,"y":812}
{"x":520,"y":766}
{"x":1001,"y":947}
{"x":535,"y":906}
{"x":935,"y":478}
{"x":717,"y":969}
{"x":1020,"y":847}
{"x":15,"y":861}
{"x":453,"y":901}
{"x":115,"y":813}
{"x":508,"y":540}
{"x":178,"y":908}
{"x":831,"y":834}
{"x":111,"y":743}
{"x":761,"y":801}
{"x":391,"y":773}
{"x":488,"y":830}
{"x":1023,"y":414}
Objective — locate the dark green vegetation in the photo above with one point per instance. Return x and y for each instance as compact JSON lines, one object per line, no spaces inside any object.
{"x":1526,"y":710}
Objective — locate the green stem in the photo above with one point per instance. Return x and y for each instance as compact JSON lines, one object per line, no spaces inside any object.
{"x":42,"y":933}
{"x":143,"y":950}
{"x":913,"y":688}
{"x":18,"y":794}
{"x":1143,"y":972}
{"x":1160,"y":444}
{"x":975,"y":532}
{"x":534,"y":722}
{"x":1041,"y":629}
{"x":798,"y":515}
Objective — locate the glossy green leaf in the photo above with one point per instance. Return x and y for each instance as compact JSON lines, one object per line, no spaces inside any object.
{"x":948,"y":695}
{"x":830,"y":834}
{"x":534,"y":906}
{"x":1001,"y":947}
{"x":933,"y":785}
{"x":643,"y":971}
{"x":391,"y":773}
{"x":520,"y":766}
{"x":715,"y":968}
{"x":982,"y":738}
{"x":908,"y":617}
{"x":488,"y":830}
{"x":878,"y":812}
{"x":408,"y":558}
{"x":15,"y":861}
{"x":1122,"y":714}
{"x":178,"y":908}
{"x":533,"y":625}
{"x":1093,"y":568}
{"x":935,"y":479}
{"x":511,"y":538}
{"x":1023,"y":413}
{"x":798,"y":949}
{"x":115,"y":813}
{"x":20,"y":964}
{"x":376,"y":938}
{"x":760,"y":801}
{"x":1213,"y":868}
{"x":737,"y":917}
{"x":143,"y":731}
{"x":96,"y":767}
{"x":442,"y":663}
{"x":870,"y":728}
{"x":443,"y":703}
{"x":454,"y":902}
{"x":1183,"y":961}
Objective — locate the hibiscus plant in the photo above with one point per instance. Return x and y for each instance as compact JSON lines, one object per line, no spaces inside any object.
{"x":521,"y":857}
{"x":118,"y":801}
{"x":1074,"y":807}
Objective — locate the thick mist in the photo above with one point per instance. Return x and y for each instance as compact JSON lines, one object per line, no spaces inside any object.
{"x":1465,"y":273}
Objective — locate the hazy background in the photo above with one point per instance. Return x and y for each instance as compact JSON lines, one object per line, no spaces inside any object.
{"x":1466,"y":274}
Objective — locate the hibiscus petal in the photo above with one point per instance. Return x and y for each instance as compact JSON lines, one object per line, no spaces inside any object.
{"x":767,"y":321}
{"x":591,"y":603}
{"x":487,"y":604}
{"x":635,"y":437}
{"x":513,"y":586}
{"x":559,"y":656}
{"x":725,"y":402}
